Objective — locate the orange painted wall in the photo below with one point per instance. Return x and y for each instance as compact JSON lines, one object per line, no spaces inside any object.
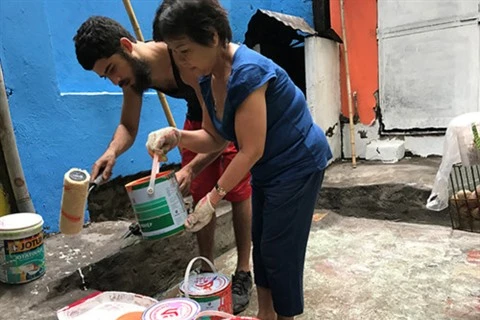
{"x":361,"y":24}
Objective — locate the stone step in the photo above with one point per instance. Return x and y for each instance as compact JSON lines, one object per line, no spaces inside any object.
{"x":376,"y":190}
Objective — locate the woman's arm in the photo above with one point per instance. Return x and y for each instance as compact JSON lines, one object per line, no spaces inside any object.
{"x":200,"y":141}
{"x":251,"y":132}
{"x":207,"y":139}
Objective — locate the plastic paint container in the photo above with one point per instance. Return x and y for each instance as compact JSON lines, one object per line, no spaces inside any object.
{"x":22,"y":255}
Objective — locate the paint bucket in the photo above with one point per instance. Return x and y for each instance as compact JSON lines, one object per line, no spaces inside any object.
{"x":173,"y":309}
{"x":136,"y":315}
{"x":158,"y":204}
{"x":212,"y":290}
{"x":22,"y":255}
{"x":108,"y":305}
{"x":222,"y":315}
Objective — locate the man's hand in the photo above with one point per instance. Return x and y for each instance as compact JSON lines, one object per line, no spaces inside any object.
{"x":105,"y":163}
{"x":184,"y":177}
{"x":201,"y":215}
{"x":163,"y":140}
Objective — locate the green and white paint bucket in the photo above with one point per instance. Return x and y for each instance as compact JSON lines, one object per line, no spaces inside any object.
{"x":158,"y":205}
{"x":22,"y":255}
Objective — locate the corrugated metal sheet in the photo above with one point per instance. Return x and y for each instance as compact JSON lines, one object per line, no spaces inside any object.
{"x":293,"y":22}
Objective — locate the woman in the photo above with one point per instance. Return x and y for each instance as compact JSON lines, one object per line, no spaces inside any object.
{"x":250,"y":100}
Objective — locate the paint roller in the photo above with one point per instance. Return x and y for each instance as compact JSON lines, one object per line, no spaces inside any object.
{"x":76,"y":188}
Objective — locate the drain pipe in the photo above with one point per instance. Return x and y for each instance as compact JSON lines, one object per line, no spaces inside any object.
{"x":10,"y":152}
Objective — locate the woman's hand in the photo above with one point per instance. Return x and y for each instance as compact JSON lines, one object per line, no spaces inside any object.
{"x":163,"y":140}
{"x":201,"y":215}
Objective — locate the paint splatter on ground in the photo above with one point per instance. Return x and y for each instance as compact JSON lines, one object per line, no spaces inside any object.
{"x":370,"y":269}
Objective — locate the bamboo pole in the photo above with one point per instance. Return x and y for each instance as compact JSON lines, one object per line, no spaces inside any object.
{"x":10,"y":151}
{"x":139,"y":35}
{"x":349,"y":87}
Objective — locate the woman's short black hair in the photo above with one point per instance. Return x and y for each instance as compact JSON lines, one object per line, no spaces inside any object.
{"x":196,"y":19}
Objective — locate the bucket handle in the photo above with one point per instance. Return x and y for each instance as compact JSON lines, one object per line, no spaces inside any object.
{"x":213,"y":313}
{"x":153,"y":174}
{"x":189,"y":268}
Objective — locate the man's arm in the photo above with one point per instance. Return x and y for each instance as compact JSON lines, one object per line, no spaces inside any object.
{"x":191,"y":170}
{"x":124,"y":135}
{"x":201,"y":160}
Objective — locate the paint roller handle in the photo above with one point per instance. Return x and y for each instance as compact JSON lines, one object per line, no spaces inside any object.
{"x":189,"y":268}
{"x":98,"y":181}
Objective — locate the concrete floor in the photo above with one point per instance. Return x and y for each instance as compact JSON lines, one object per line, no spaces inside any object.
{"x":356,"y":268}
{"x":369,"y":269}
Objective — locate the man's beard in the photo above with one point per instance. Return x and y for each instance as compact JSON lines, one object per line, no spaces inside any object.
{"x":141,"y":73}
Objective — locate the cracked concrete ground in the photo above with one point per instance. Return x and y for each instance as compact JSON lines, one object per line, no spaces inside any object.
{"x":356,"y":268}
{"x":369,"y":269}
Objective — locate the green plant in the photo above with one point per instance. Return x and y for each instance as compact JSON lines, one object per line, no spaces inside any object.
{"x":476,"y":136}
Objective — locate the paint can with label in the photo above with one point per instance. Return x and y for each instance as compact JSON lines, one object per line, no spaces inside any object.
{"x":157,"y":203}
{"x":222,"y":315}
{"x":22,"y":255}
{"x":212,"y":290}
{"x":173,"y":309}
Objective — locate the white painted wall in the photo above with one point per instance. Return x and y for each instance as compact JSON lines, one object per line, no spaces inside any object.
{"x":322,"y":72}
{"x":428,"y":61}
{"x":425,"y":146}
{"x":429,"y":57}
{"x":422,"y":146}
{"x":363,"y":136}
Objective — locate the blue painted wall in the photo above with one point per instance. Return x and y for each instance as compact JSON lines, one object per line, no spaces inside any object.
{"x":63,"y":116}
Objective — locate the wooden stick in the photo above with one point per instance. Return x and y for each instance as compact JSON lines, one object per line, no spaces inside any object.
{"x":349,"y":88}
{"x":138,"y":33}
{"x":10,"y":152}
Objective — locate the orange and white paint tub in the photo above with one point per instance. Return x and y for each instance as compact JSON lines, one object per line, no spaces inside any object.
{"x":158,"y":204}
{"x":213,"y":291}
{"x":22,"y":255}
{"x":173,"y":309}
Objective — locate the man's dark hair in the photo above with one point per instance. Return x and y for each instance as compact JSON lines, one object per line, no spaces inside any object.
{"x":99,"y":37}
{"x":196,"y":19}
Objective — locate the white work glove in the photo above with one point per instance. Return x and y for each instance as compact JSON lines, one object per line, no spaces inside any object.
{"x":201,"y":215}
{"x":163,"y":140}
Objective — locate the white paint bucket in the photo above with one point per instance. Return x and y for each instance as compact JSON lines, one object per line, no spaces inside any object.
{"x":22,"y":255}
{"x":213,"y":290}
{"x":173,"y":309}
{"x":160,"y":213}
{"x":108,"y":305}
